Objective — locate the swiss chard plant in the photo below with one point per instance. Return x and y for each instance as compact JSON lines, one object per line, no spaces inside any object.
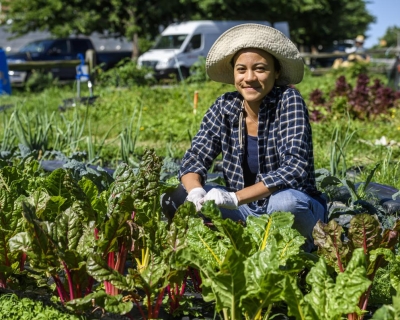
{"x":329,"y":297}
{"x":133,"y":230}
{"x":10,"y":216}
{"x":365,"y":233}
{"x":58,"y":233}
{"x":241,"y":266}
{"x":15,"y":183}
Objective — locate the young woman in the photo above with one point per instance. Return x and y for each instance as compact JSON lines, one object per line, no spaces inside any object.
{"x":262,"y":131}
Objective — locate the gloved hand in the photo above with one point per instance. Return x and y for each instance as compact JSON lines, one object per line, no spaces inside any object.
{"x":196,"y":196}
{"x":222,"y":198}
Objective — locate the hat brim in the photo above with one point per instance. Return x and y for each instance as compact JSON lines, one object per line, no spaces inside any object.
{"x":250,"y":35}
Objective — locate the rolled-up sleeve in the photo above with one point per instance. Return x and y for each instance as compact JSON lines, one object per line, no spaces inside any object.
{"x":206,"y":145}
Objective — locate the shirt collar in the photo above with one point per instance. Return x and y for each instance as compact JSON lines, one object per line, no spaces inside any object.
{"x":234,"y":108}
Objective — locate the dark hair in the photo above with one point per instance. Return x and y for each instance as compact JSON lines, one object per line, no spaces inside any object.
{"x":277,"y":66}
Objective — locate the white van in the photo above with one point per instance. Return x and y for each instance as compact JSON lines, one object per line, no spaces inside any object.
{"x":181,"y":44}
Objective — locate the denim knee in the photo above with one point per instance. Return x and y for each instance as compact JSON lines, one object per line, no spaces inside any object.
{"x":287,"y":200}
{"x":306,"y":210}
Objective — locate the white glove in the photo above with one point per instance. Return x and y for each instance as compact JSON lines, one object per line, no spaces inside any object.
{"x":222,"y":198}
{"x":196,"y":196}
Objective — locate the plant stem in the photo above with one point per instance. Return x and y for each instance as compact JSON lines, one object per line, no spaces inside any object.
{"x":22,"y":261}
{"x":158,"y":303}
{"x":60,"y":289}
{"x":70,"y":281}
{"x":139,"y":307}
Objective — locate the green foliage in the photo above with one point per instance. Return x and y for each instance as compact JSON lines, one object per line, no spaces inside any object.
{"x":391,"y":36}
{"x":339,"y":144}
{"x":32,"y":129}
{"x":310,"y":21}
{"x":260,"y":252}
{"x":389,"y":312}
{"x":87,"y":128}
{"x":382,"y":292}
{"x":125,"y":74}
{"x":198,"y":72}
{"x":38,"y":81}
{"x":66,"y":226}
{"x":331,"y":298}
{"x":365,"y":237}
{"x":14,"y":308}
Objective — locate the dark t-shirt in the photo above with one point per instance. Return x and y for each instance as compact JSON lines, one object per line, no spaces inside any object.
{"x":250,"y":165}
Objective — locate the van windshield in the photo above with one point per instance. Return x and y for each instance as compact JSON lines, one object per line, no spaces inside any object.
{"x":37,"y":46}
{"x":170,"y":42}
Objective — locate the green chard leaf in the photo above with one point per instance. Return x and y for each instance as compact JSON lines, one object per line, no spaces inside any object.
{"x":261,"y":229}
{"x":232,"y":230}
{"x":263,"y":282}
{"x":176,"y":236}
{"x":226,"y":286}
{"x":116,"y":226}
{"x":365,"y":232}
{"x":328,"y":238}
{"x":13,"y":181}
{"x":68,"y":229}
{"x":332,"y":300}
{"x":395,"y":272}
{"x":147,"y":181}
{"x":114,"y":304}
{"x":294,"y":299}
{"x":97,"y":267}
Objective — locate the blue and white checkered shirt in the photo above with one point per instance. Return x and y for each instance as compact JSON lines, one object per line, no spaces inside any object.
{"x":285,"y":149}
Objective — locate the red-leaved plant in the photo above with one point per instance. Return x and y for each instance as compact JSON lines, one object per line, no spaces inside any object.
{"x":364,"y":101}
{"x":365,"y":232}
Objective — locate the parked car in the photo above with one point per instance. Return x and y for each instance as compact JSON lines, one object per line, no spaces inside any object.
{"x":180,"y":45}
{"x":59,"y":50}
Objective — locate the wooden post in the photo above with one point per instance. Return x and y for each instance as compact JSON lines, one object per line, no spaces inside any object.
{"x":195,"y":101}
{"x":90,"y":59}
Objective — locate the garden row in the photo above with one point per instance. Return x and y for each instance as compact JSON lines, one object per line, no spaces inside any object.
{"x":97,"y":241}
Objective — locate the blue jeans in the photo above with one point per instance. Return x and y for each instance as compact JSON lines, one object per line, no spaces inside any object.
{"x":307,"y":210}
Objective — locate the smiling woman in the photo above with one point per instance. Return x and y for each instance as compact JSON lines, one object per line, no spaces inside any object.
{"x":262,"y":131}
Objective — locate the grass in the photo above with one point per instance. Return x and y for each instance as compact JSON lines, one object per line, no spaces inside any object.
{"x":125,"y":121}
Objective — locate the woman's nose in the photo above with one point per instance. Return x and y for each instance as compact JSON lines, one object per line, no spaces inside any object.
{"x":250,"y":75}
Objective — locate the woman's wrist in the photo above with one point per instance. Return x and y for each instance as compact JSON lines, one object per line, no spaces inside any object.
{"x":255,"y":192}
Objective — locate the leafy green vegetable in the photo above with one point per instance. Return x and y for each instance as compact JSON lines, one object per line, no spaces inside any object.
{"x":14,"y":308}
{"x":365,"y":234}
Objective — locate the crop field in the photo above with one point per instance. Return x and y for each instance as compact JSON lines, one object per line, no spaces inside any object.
{"x":90,"y":239}
{"x":124,"y":121}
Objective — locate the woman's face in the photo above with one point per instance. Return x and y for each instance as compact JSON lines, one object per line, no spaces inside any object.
{"x":254,"y":74}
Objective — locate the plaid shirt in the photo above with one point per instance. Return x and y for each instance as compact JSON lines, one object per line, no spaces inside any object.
{"x":285,"y":150}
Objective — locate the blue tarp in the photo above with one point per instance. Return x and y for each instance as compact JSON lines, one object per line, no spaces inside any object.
{"x":5,"y":86}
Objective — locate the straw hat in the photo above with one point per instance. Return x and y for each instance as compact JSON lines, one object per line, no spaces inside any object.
{"x":250,"y":35}
{"x":360,"y":38}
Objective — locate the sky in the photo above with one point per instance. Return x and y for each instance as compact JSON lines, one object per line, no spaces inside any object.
{"x":387,"y":14}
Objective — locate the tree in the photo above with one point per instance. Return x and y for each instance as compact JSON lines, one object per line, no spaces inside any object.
{"x":116,"y":18}
{"x":312,"y":22}
{"x":392,"y":37}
